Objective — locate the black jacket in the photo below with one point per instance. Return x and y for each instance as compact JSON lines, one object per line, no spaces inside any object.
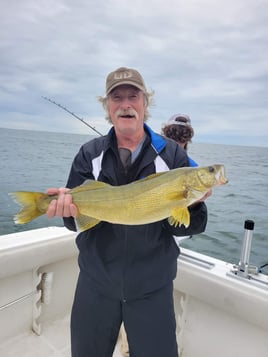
{"x":126,"y":261}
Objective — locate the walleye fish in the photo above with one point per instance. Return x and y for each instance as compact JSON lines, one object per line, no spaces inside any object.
{"x":154,"y":198}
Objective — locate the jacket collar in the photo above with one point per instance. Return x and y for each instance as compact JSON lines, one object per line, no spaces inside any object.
{"x":157,"y":141}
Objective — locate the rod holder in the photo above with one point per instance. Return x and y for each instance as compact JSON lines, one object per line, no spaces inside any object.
{"x":243,"y":266}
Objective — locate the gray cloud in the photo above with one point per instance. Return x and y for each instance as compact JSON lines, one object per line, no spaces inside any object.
{"x":208,"y":59}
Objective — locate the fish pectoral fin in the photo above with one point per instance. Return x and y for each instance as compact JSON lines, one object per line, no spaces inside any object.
{"x":180,"y":216}
{"x":85,"y":222}
{"x":178,"y":196}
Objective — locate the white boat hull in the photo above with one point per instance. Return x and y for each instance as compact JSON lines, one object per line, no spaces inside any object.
{"x":217,"y":313}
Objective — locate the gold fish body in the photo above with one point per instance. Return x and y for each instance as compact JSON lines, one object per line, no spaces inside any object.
{"x":158,"y":196}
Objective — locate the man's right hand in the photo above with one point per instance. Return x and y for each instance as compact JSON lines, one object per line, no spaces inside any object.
{"x":63,"y":206}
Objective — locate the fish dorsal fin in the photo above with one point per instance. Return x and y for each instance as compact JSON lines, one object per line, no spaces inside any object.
{"x":85,"y":222}
{"x":155,"y":175}
{"x":149,"y":177}
{"x":89,"y":185}
{"x":94,"y":182}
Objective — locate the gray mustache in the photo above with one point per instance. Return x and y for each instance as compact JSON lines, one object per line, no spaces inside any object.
{"x":130,"y":112}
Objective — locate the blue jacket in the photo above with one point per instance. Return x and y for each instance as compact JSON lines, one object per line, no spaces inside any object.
{"x":192,"y":163}
{"x":124,"y":261}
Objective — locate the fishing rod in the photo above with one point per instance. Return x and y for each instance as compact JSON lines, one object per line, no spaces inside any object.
{"x":74,"y":115}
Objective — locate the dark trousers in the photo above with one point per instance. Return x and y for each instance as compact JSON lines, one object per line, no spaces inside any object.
{"x":149,"y":323}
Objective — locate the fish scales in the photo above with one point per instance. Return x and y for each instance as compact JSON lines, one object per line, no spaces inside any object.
{"x":159,"y":196}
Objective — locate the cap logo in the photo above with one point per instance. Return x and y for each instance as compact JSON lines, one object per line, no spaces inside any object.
{"x":122,"y":75}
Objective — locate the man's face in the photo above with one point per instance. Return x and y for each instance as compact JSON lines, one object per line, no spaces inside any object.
{"x":126,"y":108}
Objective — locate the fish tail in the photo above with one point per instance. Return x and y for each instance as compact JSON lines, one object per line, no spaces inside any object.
{"x":30,"y":202}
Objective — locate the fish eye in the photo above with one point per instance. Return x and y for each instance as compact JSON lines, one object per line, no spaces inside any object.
{"x":211,"y":169}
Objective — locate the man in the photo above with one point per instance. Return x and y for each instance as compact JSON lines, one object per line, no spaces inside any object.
{"x":126,"y":272}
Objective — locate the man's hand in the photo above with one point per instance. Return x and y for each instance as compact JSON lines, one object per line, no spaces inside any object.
{"x":62,"y":206}
{"x":208,"y":194}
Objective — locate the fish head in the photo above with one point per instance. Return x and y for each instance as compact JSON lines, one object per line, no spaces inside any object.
{"x":213,"y":175}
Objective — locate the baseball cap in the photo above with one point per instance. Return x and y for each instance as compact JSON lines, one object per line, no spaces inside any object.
{"x":179,"y":119}
{"x":124,"y":75}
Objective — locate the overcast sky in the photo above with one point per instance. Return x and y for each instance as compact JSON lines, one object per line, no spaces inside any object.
{"x":206,"y":58}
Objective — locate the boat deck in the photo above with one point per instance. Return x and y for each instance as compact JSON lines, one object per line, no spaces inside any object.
{"x":223,"y":313}
{"x":53,"y":342}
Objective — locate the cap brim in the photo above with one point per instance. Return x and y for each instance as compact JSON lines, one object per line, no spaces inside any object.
{"x":126,"y":82}
{"x":173,"y":120}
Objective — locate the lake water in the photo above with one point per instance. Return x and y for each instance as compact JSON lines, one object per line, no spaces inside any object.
{"x":34,"y":161}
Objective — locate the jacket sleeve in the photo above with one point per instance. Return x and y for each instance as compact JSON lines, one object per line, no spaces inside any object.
{"x":198,"y":222}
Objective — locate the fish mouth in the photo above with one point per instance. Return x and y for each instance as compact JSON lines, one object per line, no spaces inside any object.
{"x":213,"y":175}
{"x":221,"y":175}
